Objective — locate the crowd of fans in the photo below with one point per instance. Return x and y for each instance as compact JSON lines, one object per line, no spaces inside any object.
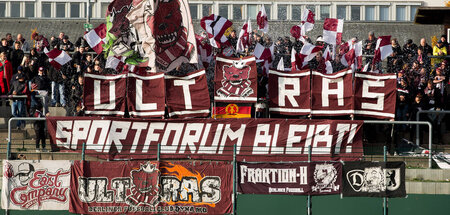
{"x":422,"y":79}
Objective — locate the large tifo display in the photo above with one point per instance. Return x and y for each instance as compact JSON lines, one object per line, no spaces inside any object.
{"x":214,"y":139}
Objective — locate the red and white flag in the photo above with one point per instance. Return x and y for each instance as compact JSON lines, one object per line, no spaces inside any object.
{"x":262,"y":21}
{"x":216,"y":26}
{"x":383,"y":49}
{"x":327,"y":55}
{"x":307,"y":21}
{"x":115,"y":62}
{"x":96,"y":38}
{"x":204,"y":51}
{"x":57,"y":58}
{"x":332,"y":30}
{"x":353,"y":58}
{"x":244,"y":37}
{"x":308,"y":52}
{"x":265,"y":55}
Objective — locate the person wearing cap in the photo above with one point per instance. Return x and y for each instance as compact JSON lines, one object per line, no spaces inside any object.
{"x":25,"y":173}
{"x":320,"y":42}
{"x":409,"y":50}
{"x":15,"y":77}
{"x":65,"y":44}
{"x":18,"y":88}
{"x":16,"y":56}
{"x":439,"y":50}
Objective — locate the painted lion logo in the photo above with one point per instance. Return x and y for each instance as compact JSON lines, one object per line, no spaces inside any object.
{"x":236,"y":80}
{"x":145,"y":186}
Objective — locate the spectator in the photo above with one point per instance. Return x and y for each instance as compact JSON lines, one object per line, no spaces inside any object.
{"x":233,"y":38}
{"x":18,"y":87}
{"x":40,"y":42}
{"x":369,"y":46}
{"x":427,"y":50}
{"x":5,"y":48}
{"x":76,"y":102}
{"x":444,"y":40}
{"x":79,"y":56}
{"x":57,"y":87}
{"x":16,"y":56}
{"x":65,"y":44}
{"x":409,"y":50}
{"x":39,"y":127}
{"x":40,"y":85}
{"x":5,"y":73}
{"x":440,"y":85}
{"x":9,"y":40}
{"x":81,"y":42}
{"x":26,"y":68}
{"x":422,"y":58}
{"x":15,"y":76}
{"x":25,"y":46}
{"x":439,"y":50}
{"x":396,"y":57}
{"x":36,"y":61}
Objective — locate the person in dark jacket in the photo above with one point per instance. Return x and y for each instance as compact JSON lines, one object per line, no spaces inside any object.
{"x":369,"y":46}
{"x":409,"y":51}
{"x":4,"y":48}
{"x":18,"y":88}
{"x":396,"y":56}
{"x":76,"y":98}
{"x":40,"y":85}
{"x":16,"y":56}
{"x":57,"y":79}
{"x":427,"y":50}
{"x":39,"y":127}
{"x":65,"y":44}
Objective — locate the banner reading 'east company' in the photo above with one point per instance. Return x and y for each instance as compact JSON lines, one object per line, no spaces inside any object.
{"x":144,"y":187}
{"x":255,"y":139}
{"x":316,"y":178}
{"x":36,"y":185}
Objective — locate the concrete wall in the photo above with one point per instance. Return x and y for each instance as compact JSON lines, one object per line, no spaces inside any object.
{"x":74,"y":28}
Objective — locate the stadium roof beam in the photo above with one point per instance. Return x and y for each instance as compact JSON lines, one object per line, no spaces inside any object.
{"x":433,"y":16}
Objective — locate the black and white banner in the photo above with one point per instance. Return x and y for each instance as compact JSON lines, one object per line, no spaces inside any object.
{"x":374,"y":179}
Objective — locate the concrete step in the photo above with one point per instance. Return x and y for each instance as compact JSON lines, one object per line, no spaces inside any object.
{"x":413,"y":187}
{"x":15,"y":134}
{"x":440,"y":175}
{"x":410,"y":162}
{"x":57,"y":111}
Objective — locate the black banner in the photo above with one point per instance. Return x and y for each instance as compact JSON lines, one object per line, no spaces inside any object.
{"x":374,"y":179}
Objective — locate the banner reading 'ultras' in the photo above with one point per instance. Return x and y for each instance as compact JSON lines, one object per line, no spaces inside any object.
{"x":289,"y":93}
{"x":235,"y":80}
{"x":375,"y":95}
{"x":255,"y":139}
{"x":314,"y":178}
{"x":104,"y":94}
{"x":374,"y":179}
{"x":36,"y":185}
{"x":143,"y":187}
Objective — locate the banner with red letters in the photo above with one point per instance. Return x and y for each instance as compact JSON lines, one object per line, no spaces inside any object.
{"x":146,"y":95}
{"x":316,"y":178}
{"x":375,"y":95}
{"x":36,"y":185}
{"x":214,"y":139}
{"x":104,"y":94}
{"x":187,"y":96}
{"x":289,"y":92}
{"x":149,"y":187}
{"x":235,"y":80}
{"x":331,"y":94}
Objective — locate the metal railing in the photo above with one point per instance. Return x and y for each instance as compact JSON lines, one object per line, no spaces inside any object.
{"x":426,"y":111}
{"x":430,"y":131}
{"x":8,"y":149}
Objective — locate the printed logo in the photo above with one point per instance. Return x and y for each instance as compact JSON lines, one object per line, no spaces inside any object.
{"x":34,"y":187}
{"x":325,"y":176}
{"x":236,"y":80}
{"x":231,"y":109}
{"x":374,"y":179}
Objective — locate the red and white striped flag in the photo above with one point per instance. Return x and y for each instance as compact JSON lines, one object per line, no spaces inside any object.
{"x":383,"y":49}
{"x":332,"y":30}
{"x":244,"y":37}
{"x":96,"y":38}
{"x":266,"y":55}
{"x":328,"y":56}
{"x":204,"y":51}
{"x":353,"y":58}
{"x":262,"y":21}
{"x":307,"y":53}
{"x":115,"y":62}
{"x":216,"y":26}
{"x":57,"y":58}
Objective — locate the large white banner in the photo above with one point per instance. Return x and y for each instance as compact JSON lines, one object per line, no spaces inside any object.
{"x":36,"y":185}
